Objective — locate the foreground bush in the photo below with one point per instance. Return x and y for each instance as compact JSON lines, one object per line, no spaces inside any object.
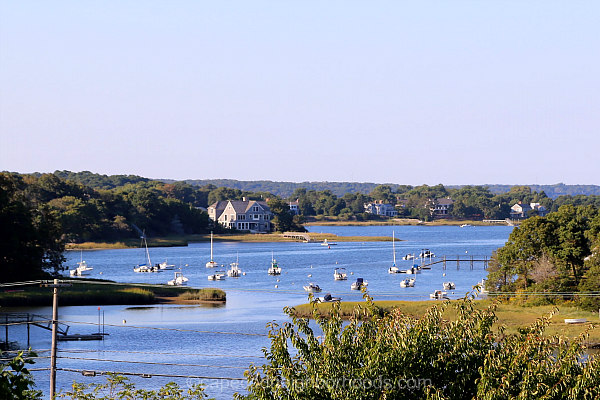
{"x":397,"y":357}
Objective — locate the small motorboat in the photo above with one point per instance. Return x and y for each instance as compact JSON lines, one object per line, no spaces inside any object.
{"x":178,"y":280}
{"x":166,"y":266}
{"x":217,"y":276}
{"x":449,"y":286}
{"x":409,"y":257}
{"x":407,"y":282}
{"x":340,"y":274}
{"x":359,"y":284}
{"x":274,"y":269}
{"x":411,"y":271}
{"x":146,"y":268}
{"x":312,"y":288}
{"x":466,"y":225}
{"x":234,"y":271}
{"x":82,"y":269}
{"x":393,"y":270}
{"x":326,"y":243}
{"x":438,"y":295}
{"x":328,"y":298}
{"x":425,"y":253}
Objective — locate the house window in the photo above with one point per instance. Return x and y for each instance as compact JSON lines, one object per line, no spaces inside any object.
{"x":242,"y":216}
{"x":225,"y":217}
{"x":255,"y":208}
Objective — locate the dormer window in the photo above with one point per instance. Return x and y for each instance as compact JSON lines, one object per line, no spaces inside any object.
{"x":255,"y":208}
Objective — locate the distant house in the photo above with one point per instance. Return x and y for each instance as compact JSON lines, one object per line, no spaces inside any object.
{"x":440,"y":208}
{"x":245,"y":215}
{"x":520,"y":210}
{"x":380,"y":208}
{"x":294,"y":209}
{"x":541,"y":210}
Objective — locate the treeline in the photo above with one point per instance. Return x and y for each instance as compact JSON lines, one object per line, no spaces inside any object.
{"x":557,"y":255}
{"x":285,"y":189}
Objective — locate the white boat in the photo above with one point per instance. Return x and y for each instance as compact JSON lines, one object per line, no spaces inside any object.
{"x":217,"y":276}
{"x":575,"y":320}
{"x":178,"y":280}
{"x":409,"y":257}
{"x":411,"y":271}
{"x":394,"y":269}
{"x":235,"y":271}
{"x":274,"y":269}
{"x":466,"y":225}
{"x":166,"y":266}
{"x":326,"y":243}
{"x":328,"y":298}
{"x":359,"y":284}
{"x":340,"y":274}
{"x":211,"y":263}
{"x":81,"y":269}
{"x":409,"y":282}
{"x":312,"y":288}
{"x":147,"y":267}
{"x":438,"y":295}
{"x":425,"y":253}
{"x":449,"y":286}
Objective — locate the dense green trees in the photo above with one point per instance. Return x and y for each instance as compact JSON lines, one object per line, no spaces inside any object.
{"x":396,"y":356}
{"x":557,"y":253}
{"x":30,"y":235}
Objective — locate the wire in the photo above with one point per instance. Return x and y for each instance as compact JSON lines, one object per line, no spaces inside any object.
{"x":165,"y":329}
{"x":157,"y":353}
{"x":142,"y":375}
{"x":152,"y":363}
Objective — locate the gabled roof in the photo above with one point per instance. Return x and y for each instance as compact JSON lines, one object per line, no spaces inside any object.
{"x":239,"y":206}
{"x":445,"y":202}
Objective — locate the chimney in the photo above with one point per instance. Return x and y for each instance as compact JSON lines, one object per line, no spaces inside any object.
{"x":244,"y":199}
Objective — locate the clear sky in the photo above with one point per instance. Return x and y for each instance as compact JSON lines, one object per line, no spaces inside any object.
{"x":452,"y":92}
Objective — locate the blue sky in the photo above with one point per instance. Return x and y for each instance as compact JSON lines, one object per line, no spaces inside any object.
{"x":452,"y":92}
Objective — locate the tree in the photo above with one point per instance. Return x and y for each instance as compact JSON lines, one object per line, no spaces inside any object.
{"x":396,"y":356}
{"x":30,"y":236}
{"x":119,"y":387}
{"x":283,"y":219}
{"x":16,"y":382}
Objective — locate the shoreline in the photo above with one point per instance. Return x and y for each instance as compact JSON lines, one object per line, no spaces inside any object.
{"x":182,"y":241}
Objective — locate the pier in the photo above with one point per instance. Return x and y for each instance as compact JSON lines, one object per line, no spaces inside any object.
{"x":471,"y":260}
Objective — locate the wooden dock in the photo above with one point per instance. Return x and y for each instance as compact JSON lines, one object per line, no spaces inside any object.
{"x":471,"y":260}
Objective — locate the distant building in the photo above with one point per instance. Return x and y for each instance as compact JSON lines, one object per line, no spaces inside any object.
{"x":441,"y":208}
{"x":541,"y":210}
{"x":245,"y":215}
{"x":294,"y":209}
{"x":520,"y":210}
{"x":380,"y":208}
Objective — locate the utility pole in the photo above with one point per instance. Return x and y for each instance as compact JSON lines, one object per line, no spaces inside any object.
{"x":55,"y":287}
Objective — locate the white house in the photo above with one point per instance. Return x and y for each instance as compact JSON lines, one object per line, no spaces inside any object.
{"x":245,"y":215}
{"x":520,"y":210}
{"x":441,"y":207}
{"x":378,"y":207}
{"x":294,"y":209}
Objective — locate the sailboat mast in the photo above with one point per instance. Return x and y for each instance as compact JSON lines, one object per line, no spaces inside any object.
{"x":394,"y":246}
{"x":147,"y":252}
{"x":211,"y":241}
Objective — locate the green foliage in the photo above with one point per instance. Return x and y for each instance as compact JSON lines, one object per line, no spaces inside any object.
{"x":283,"y":219}
{"x":16,"y":382}
{"x":30,"y":236}
{"x":395,"y":356}
{"x":119,"y":387}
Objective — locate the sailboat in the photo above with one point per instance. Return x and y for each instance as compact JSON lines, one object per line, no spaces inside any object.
{"x":394,"y":269}
{"x":148,"y":267}
{"x":211,"y":263}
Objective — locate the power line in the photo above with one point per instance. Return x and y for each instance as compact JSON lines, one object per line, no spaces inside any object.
{"x":152,"y":363}
{"x":165,"y":329}
{"x":158,"y":353}
{"x":144,"y":375}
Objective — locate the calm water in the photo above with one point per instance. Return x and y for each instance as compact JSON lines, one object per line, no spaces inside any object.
{"x":194,"y":335}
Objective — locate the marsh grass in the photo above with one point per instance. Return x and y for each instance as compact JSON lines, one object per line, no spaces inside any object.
{"x":206,"y":294}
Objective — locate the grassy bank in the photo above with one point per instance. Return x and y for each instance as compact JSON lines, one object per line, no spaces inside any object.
{"x":512,"y":316}
{"x":108,"y":293}
{"x":241,"y":237}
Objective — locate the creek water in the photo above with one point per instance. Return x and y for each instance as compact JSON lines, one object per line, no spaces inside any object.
{"x":222,"y":341}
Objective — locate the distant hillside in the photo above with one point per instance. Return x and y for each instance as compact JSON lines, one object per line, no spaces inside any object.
{"x":285,"y":189}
